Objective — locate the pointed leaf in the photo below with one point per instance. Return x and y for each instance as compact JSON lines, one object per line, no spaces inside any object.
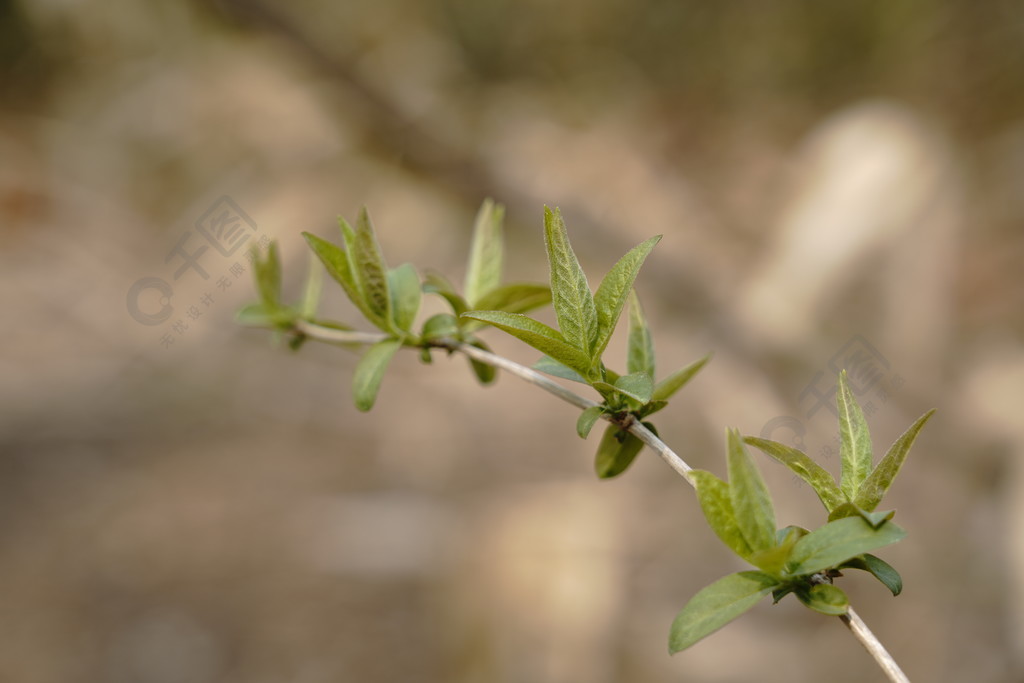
{"x":717,"y":605}
{"x":370,"y":371}
{"x":484,"y":372}
{"x":805,"y":468}
{"x":337,"y":264}
{"x":587,"y":419}
{"x":875,"y":519}
{"x":637,"y":386}
{"x":550,"y":366}
{"x":616,"y":452}
{"x":773,"y":560}
{"x":855,"y":440}
{"x":614,"y":289}
{"x":515,"y":298}
{"x":435,"y":283}
{"x":268,"y":276}
{"x":881,"y":570}
{"x":538,"y":335}
{"x":486,"y":253}
{"x":570,"y":293}
{"x":678,"y":379}
{"x":879,"y":481}
{"x":837,"y":542}
{"x":313,"y":289}
{"x":716,"y":504}
{"x":404,"y":286}
{"x":825,"y":598}
{"x":750,"y":498}
{"x":370,"y":270}
{"x":640,"y":347}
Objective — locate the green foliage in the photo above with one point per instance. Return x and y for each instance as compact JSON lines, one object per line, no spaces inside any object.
{"x":586,"y":322}
{"x":739,"y":510}
{"x":793,"y":560}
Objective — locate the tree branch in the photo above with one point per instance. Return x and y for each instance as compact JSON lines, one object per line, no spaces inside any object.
{"x":333,"y":336}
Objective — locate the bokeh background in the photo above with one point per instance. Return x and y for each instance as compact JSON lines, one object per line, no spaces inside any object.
{"x":837,"y":183}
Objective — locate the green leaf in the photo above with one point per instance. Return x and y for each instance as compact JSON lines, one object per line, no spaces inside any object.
{"x":570,"y":292}
{"x":855,"y":440}
{"x":875,"y":519}
{"x":716,"y":504}
{"x":435,"y":283}
{"x":404,"y":286}
{"x":440,"y":325}
{"x":550,"y":366}
{"x":878,"y":482}
{"x":751,"y":501}
{"x":538,"y":335}
{"x":614,"y":289}
{"x":616,"y":452}
{"x":717,"y":605}
{"x":805,"y":468}
{"x":773,"y":560}
{"x":637,"y":386}
{"x":587,"y":419}
{"x":486,"y":254}
{"x":258,"y":315}
{"x":484,"y":372}
{"x":825,"y":598}
{"x":515,"y":298}
{"x":838,"y":541}
{"x":313,"y":289}
{"x":370,"y":271}
{"x":337,"y":264}
{"x":677,"y":380}
{"x":881,"y":570}
{"x":268,"y":276}
{"x":370,"y":372}
{"x":640,"y":347}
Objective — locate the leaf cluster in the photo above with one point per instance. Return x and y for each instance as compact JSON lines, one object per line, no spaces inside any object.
{"x":792,"y":559}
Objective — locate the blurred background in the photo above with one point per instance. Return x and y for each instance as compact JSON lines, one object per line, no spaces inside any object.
{"x":838,"y":185}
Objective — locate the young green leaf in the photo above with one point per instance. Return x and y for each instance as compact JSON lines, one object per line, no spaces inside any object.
{"x":485,"y":373}
{"x":440,"y":325}
{"x":486,"y":253}
{"x":435,"y":283}
{"x":313,"y":289}
{"x":716,"y":504}
{"x":404,"y":286}
{"x":825,"y":598}
{"x":370,"y":372}
{"x":678,"y":379}
{"x":751,"y":501}
{"x":805,"y":468}
{"x":268,"y":276}
{"x":587,"y":420}
{"x":515,"y":298}
{"x":637,"y":386}
{"x":616,"y":452}
{"x":550,"y":366}
{"x":538,"y":335}
{"x":614,"y":289}
{"x":881,"y":570}
{"x":640,"y":346}
{"x":338,"y":265}
{"x":878,"y":482}
{"x":875,"y":518}
{"x":837,"y":542}
{"x":570,"y":292}
{"x":257,"y":314}
{"x":717,"y":605}
{"x":855,"y":440}
{"x":370,"y":270}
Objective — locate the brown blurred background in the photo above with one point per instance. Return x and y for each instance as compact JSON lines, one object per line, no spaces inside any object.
{"x":837,"y":183}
